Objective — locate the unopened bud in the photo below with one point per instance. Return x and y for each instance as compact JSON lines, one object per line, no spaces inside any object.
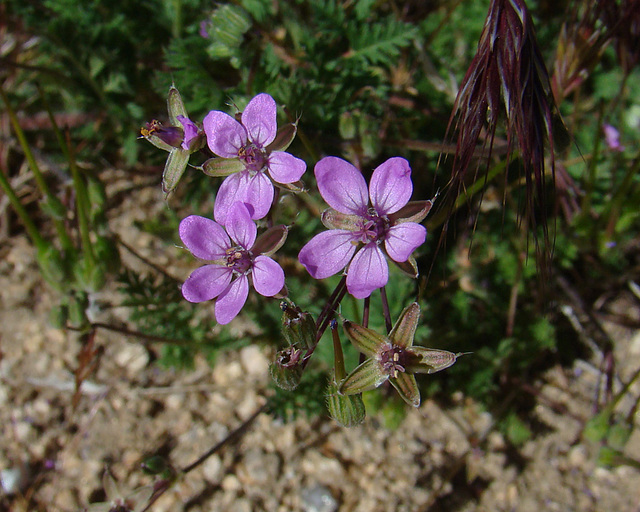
{"x":286,"y":370}
{"x":347,"y":410}
{"x":156,"y":465}
{"x":298,"y":327}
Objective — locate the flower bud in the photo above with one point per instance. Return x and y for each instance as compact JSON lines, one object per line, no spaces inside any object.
{"x":286,"y":370}
{"x":157,"y":465}
{"x":169,"y":135}
{"x":347,"y":410}
{"x":298,"y":327}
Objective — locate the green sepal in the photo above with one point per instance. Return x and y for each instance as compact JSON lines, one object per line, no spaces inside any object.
{"x":430,"y":360}
{"x":271,"y":240}
{"x":365,"y":377}
{"x":407,"y":388}
{"x":347,"y":410}
{"x":298,"y":327}
{"x":175,"y":106}
{"x":332,"y":219}
{"x":365,"y":340}
{"x":295,"y":187}
{"x":409,"y":267}
{"x":413,"y":211}
{"x":286,"y":371}
{"x":218,"y":167}
{"x":159,"y":143}
{"x":284,"y":138}
{"x":174,"y":169}
{"x":405,"y":327}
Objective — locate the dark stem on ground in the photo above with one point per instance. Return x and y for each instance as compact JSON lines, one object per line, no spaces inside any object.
{"x":365,"y":311}
{"x":233,"y":436}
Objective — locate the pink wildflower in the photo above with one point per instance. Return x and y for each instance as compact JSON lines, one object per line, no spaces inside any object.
{"x":364,"y":225}
{"x":237,"y":256}
{"x":248,"y":141}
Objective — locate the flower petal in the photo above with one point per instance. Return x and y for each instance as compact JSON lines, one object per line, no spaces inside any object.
{"x":205,"y":238}
{"x":259,"y":118}
{"x":268,"y":276}
{"x":225,"y":135}
{"x":403,"y":239}
{"x":341,"y":185}
{"x":407,"y":388}
{"x":368,"y":271}
{"x":240,"y":227}
{"x":285,"y":168}
{"x":327,"y":253}
{"x":190,"y":131}
{"x":390,"y":188}
{"x":228,"y":194}
{"x":206,"y":283}
{"x":256,"y":192}
{"x":365,"y":377}
{"x":231,"y":300}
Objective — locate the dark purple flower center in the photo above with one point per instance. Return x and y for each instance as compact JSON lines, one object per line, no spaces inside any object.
{"x":239,"y":259}
{"x":393,"y":360}
{"x":254,"y":157}
{"x":374,"y":227}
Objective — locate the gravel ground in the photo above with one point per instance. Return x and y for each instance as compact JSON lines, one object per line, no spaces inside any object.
{"x":441,"y":459}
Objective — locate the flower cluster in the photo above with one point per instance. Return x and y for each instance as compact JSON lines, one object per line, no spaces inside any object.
{"x":366,"y":224}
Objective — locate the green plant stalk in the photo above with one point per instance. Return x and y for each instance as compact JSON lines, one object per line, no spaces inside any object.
{"x":338,"y":356}
{"x":37,"y":173}
{"x":31,"y":228}
{"x":82,"y":202}
{"x":54,"y":124}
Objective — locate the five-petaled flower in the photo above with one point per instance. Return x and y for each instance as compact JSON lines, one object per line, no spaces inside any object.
{"x":251,"y":143}
{"x":360,"y":234}
{"x":236,"y":257}
{"x":393,"y":358}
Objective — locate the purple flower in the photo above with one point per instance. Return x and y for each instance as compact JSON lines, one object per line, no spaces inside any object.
{"x":364,"y":225}
{"x":191,"y":131}
{"x":248,"y":142}
{"x":612,"y":138}
{"x":236,"y":257}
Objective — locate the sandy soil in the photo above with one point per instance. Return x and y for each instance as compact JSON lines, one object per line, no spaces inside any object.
{"x":441,"y":459}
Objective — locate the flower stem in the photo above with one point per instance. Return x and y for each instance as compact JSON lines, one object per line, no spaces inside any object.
{"x":338,"y":356}
{"x":385,"y":309}
{"x":32,"y":231}
{"x":365,"y":311}
{"x":82,"y":203}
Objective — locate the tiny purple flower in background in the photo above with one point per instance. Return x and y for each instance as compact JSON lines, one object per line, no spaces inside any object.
{"x":612,"y":138}
{"x":248,"y":141}
{"x":364,"y":225}
{"x":236,"y":256}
